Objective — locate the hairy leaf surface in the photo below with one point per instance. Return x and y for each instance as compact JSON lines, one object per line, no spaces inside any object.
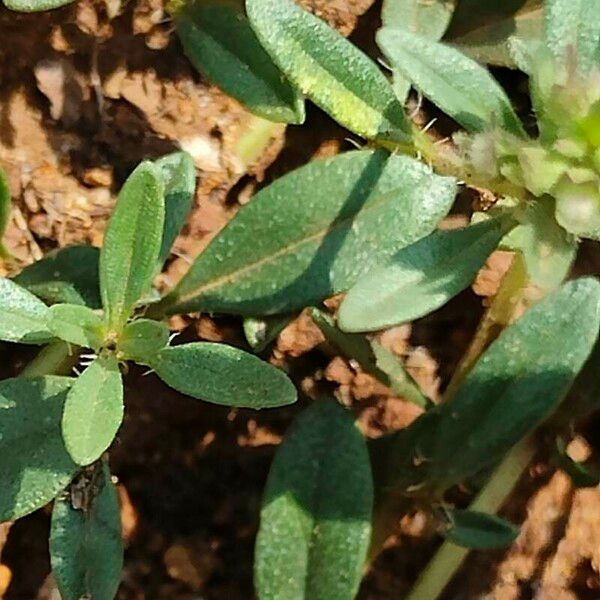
{"x":419,"y":279}
{"x":93,"y":410}
{"x":313,"y":232}
{"x":218,"y":40}
{"x":34,"y":5}
{"x":223,"y":375}
{"x":86,"y":549}
{"x":34,"y":463}
{"x":316,"y":515}
{"x":330,"y":70}
{"x":142,"y":339}
{"x":457,"y":84}
{"x":132,"y":244}
{"x":76,"y":324}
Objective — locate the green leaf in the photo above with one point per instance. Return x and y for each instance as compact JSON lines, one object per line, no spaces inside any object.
{"x":223,"y":375}
{"x":68,"y":275}
{"x":178,"y":175}
{"x":5,"y":206}
{"x":23,"y":317}
{"x":142,"y":339}
{"x":419,"y":279}
{"x":575,"y":24}
{"x":218,"y":40}
{"x":488,"y":38}
{"x":76,"y":324}
{"x":372,"y":357}
{"x":457,"y":84}
{"x":547,"y":249}
{"x":34,"y":463}
{"x":313,"y":233}
{"x":428,"y":19}
{"x":316,"y":515}
{"x":132,"y":244}
{"x":93,"y":411}
{"x":260,"y":332}
{"x":34,"y":5}
{"x":401,"y":381}
{"x":331,"y":71}
{"x":516,"y":384}
{"x":478,"y":530}
{"x":86,"y":548}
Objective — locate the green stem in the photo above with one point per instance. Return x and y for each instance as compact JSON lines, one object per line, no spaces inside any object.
{"x":497,"y":317}
{"x":57,"y":358}
{"x":449,"y":557}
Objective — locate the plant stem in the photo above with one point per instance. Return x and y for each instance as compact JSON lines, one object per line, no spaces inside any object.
{"x":497,"y":317}
{"x":449,"y":557}
{"x":54,"y":359}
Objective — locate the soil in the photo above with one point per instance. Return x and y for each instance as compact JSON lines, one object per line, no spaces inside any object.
{"x":88,"y":91}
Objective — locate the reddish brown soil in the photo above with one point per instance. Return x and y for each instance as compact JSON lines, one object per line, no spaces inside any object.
{"x":83,"y":98}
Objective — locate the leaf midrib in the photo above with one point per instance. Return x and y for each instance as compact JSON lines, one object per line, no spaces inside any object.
{"x":320,"y":234}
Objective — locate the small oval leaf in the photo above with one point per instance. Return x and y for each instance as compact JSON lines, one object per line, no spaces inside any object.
{"x":76,"y":324}
{"x":34,"y":463}
{"x":23,"y":317}
{"x":479,"y":531}
{"x":419,"y":279}
{"x":178,"y":174}
{"x":330,"y":70}
{"x":313,"y":232}
{"x":223,"y":375}
{"x":86,"y":548}
{"x":316,"y":515}
{"x":93,"y":410}
{"x":132,"y":244}
{"x":142,"y":339}
{"x":218,"y":40}
{"x":68,"y":275}
{"x":260,"y":332}
{"x":458,"y":85}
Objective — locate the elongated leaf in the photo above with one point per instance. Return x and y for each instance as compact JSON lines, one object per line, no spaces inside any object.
{"x":23,"y":318}
{"x":479,"y":530}
{"x":34,"y":463}
{"x":260,"y":332}
{"x":488,"y":39}
{"x":76,"y":324}
{"x":223,"y":375}
{"x":34,"y":5}
{"x":218,"y":40}
{"x":372,"y":357}
{"x":86,"y":549}
{"x":428,"y":19}
{"x":142,"y":339}
{"x":316,"y":516}
{"x":515,"y":385}
{"x":179,"y":180}
{"x":420,"y":278}
{"x":401,"y":381}
{"x":457,"y":84}
{"x":132,"y":244}
{"x":575,"y":24}
{"x":5,"y":205}
{"x":68,"y":275}
{"x":326,"y":67}
{"x":312,"y":233}
{"x":93,"y":410}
